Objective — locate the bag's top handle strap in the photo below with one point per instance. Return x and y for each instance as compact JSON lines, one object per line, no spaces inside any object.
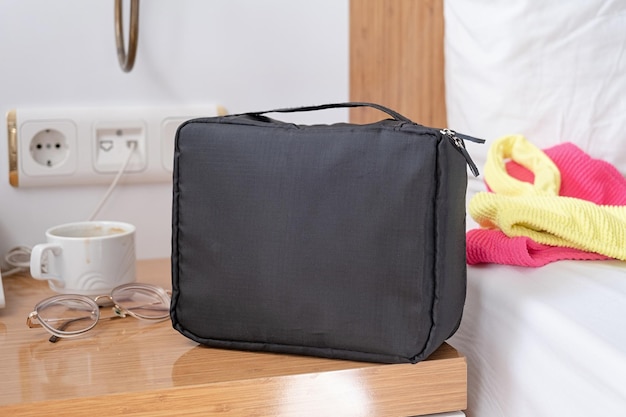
{"x":384,"y":109}
{"x":455,"y":138}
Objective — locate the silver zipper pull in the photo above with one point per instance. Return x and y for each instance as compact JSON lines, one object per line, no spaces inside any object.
{"x":460,"y":146}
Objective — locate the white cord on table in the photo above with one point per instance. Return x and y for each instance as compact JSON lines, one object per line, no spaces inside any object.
{"x":18,"y":259}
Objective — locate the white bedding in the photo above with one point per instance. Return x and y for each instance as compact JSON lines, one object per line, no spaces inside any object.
{"x":548,"y":341}
{"x":554,"y":71}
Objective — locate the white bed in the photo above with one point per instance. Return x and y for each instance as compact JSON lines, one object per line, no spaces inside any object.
{"x":547,"y":341}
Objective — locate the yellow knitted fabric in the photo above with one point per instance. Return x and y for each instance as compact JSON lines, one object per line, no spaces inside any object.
{"x":516,"y":147}
{"x":537,"y":211}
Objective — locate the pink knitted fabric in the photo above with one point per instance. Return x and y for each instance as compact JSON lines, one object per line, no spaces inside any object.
{"x":581,"y":177}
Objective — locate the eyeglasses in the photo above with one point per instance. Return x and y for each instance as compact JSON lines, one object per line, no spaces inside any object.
{"x":71,"y":315}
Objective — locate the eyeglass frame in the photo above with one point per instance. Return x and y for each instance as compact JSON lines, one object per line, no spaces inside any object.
{"x":119,"y":311}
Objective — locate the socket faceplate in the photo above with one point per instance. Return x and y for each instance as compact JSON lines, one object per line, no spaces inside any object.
{"x":47,"y":148}
{"x":113,"y":145}
{"x":80,"y":146}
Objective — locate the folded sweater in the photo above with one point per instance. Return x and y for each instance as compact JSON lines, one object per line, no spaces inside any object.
{"x":529,"y":218}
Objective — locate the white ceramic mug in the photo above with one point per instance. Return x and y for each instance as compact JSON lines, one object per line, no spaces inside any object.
{"x":89,"y":258}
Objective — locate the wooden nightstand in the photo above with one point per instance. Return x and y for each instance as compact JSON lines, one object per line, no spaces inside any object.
{"x":129,"y":367}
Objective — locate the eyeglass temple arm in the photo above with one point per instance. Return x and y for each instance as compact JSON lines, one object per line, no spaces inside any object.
{"x":119,"y":313}
{"x":156,"y":306}
{"x":55,"y":338}
{"x":31,"y":323}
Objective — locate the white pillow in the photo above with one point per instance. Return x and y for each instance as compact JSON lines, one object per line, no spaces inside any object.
{"x":552,"y":70}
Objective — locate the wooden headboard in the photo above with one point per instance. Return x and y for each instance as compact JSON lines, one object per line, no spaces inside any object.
{"x":396,"y":59}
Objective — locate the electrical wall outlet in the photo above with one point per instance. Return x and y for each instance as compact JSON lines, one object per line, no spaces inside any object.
{"x":73,"y":146}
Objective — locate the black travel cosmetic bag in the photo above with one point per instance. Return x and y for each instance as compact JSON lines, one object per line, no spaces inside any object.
{"x":342,"y":241}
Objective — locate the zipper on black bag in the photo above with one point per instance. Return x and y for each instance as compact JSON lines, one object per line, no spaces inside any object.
{"x":457,"y":140}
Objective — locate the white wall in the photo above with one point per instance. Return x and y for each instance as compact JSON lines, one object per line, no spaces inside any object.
{"x":243,"y":54}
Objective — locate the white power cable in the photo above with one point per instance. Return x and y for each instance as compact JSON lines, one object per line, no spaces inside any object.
{"x":132,"y":146}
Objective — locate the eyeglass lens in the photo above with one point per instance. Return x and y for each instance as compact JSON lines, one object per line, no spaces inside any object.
{"x":142,"y":301}
{"x":68,"y":315}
